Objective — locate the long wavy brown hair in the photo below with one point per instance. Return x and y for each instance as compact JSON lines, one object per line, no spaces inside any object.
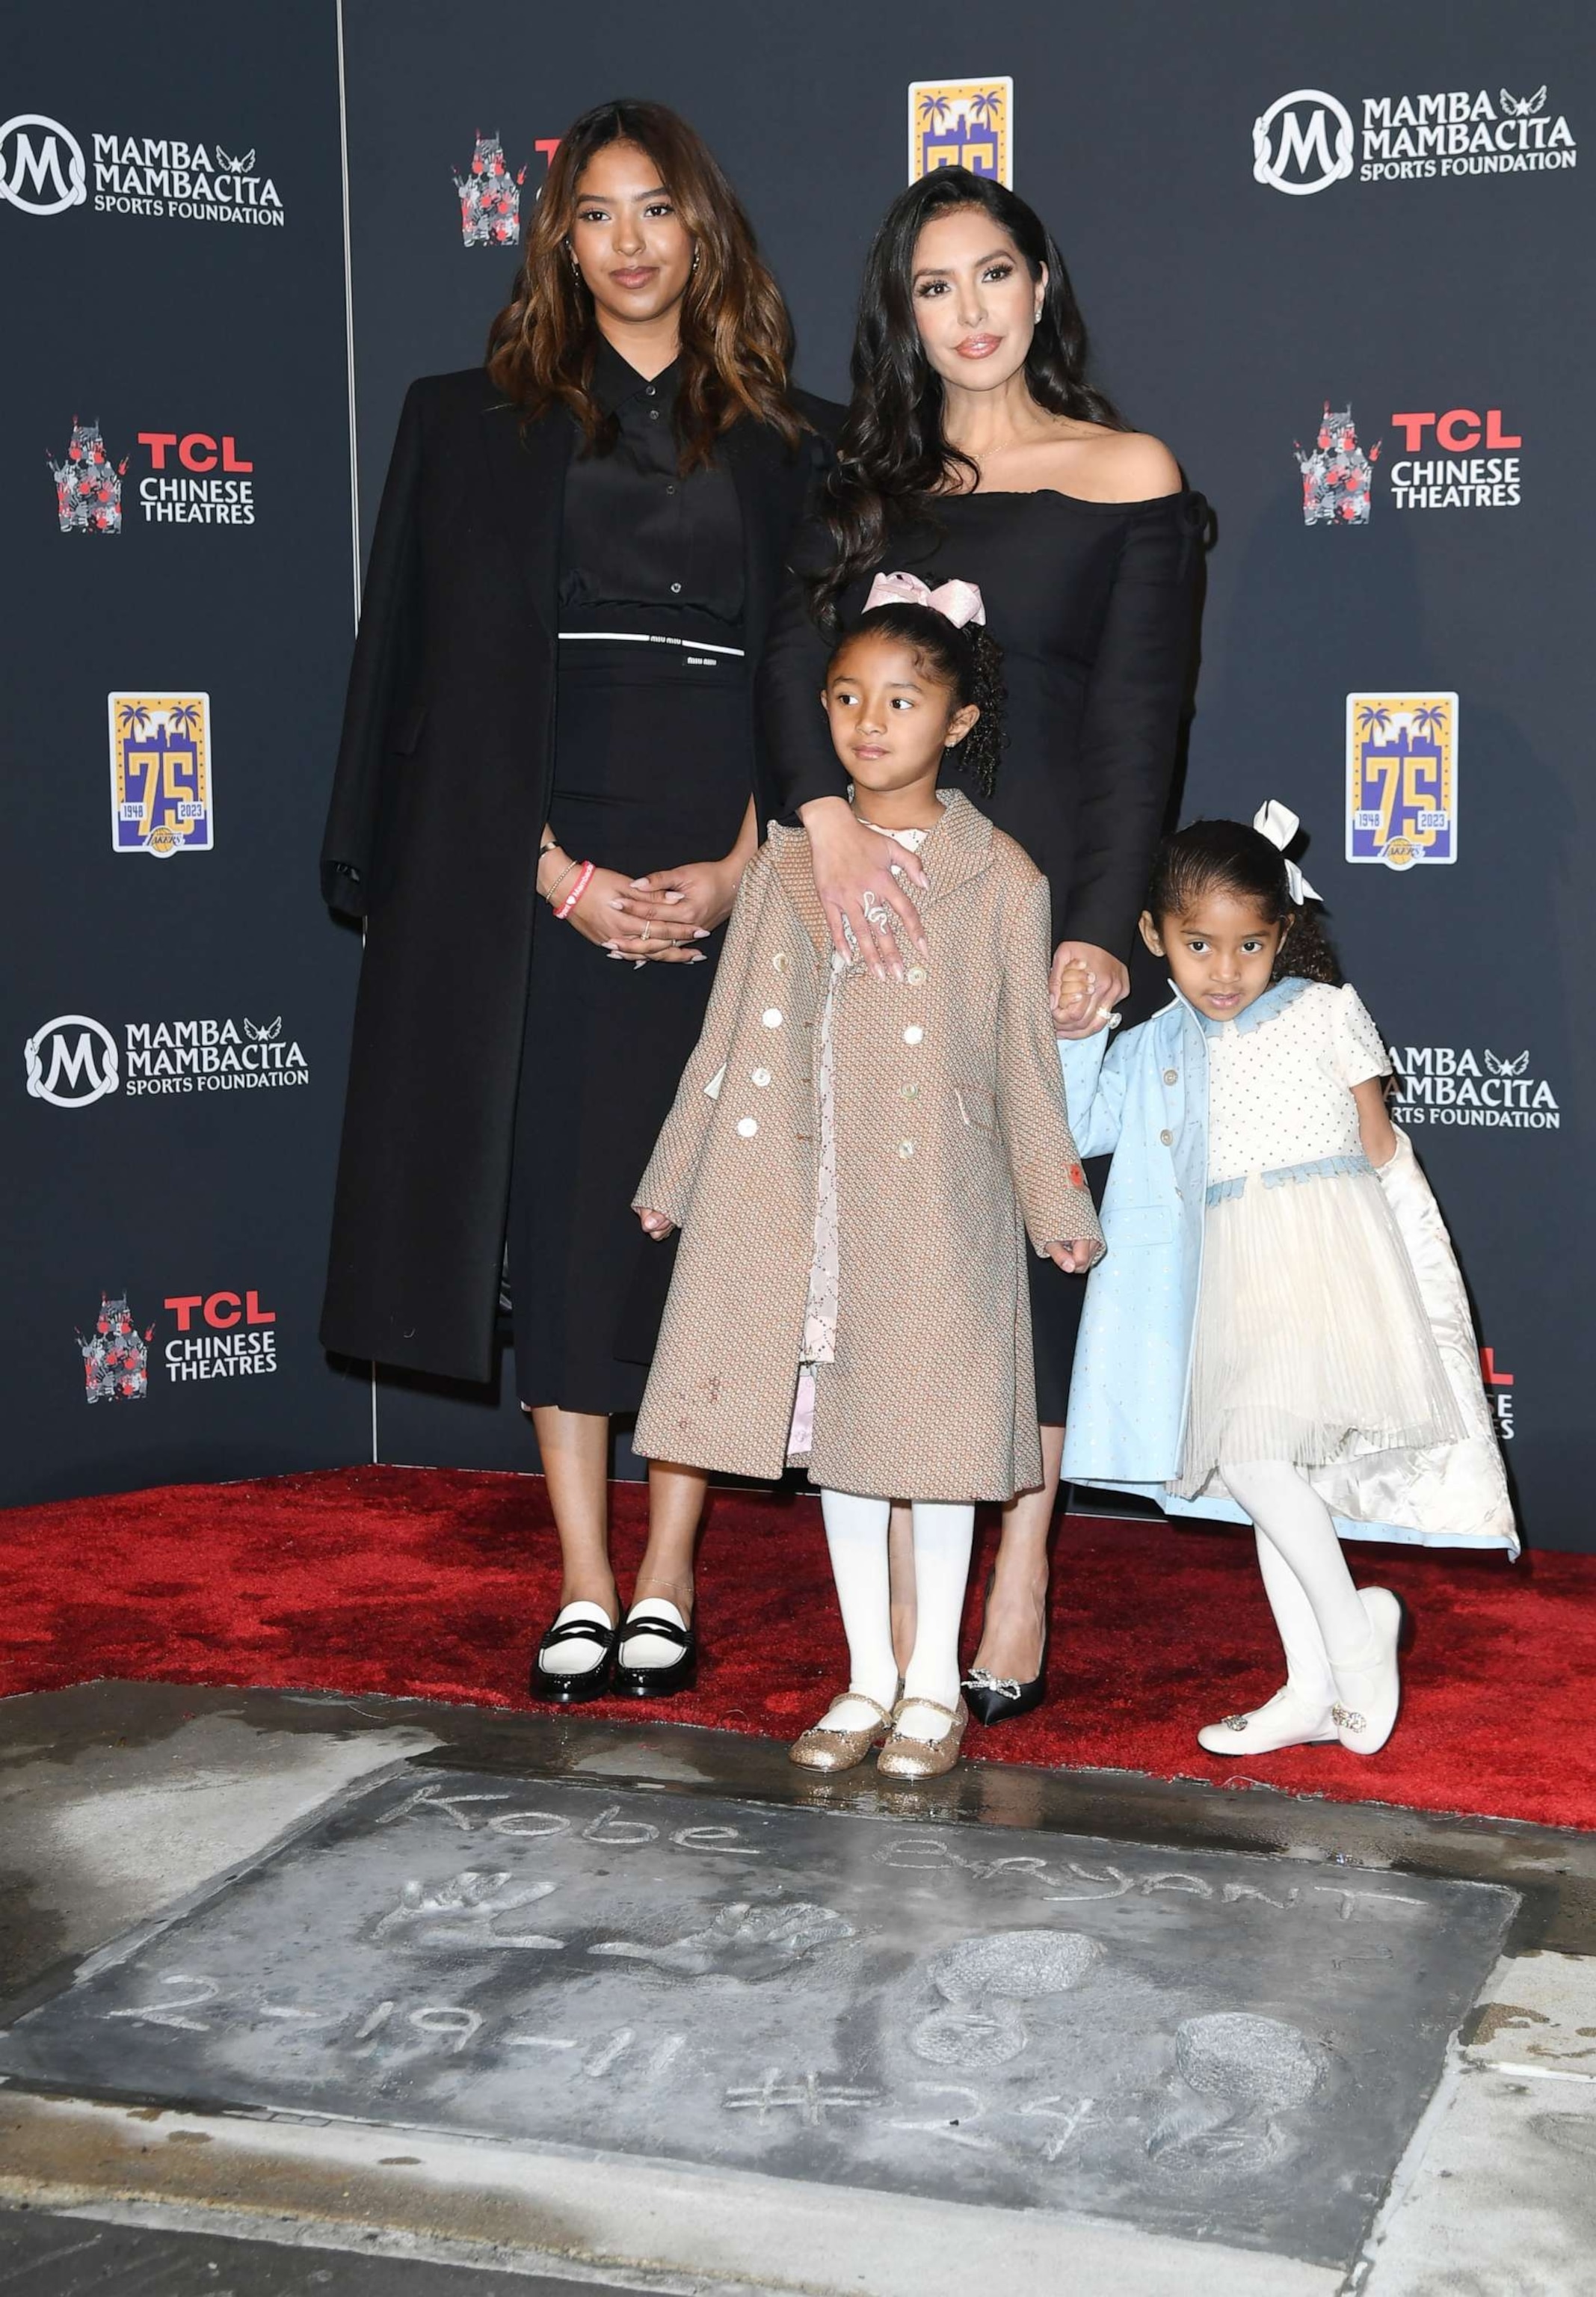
{"x":737,"y":339}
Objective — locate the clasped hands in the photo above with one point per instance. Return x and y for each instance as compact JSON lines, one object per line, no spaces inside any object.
{"x":653,"y":919}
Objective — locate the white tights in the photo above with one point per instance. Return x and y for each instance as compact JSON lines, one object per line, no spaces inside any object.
{"x":1316,"y":1607}
{"x":856,"y":1532}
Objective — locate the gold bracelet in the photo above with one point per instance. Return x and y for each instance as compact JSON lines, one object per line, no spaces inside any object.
{"x":560,"y":880}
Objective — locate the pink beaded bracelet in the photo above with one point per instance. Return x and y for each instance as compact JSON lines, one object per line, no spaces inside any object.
{"x":584,"y":878}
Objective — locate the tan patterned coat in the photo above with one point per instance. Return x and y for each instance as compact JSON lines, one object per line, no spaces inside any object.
{"x":950,"y":1126}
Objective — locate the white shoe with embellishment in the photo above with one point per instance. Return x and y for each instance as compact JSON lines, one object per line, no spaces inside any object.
{"x":1369,"y":1692}
{"x":1291,"y":1719}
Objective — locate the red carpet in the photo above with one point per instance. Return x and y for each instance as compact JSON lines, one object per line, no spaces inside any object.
{"x":429,"y":1584}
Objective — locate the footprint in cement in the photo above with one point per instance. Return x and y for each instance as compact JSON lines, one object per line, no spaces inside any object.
{"x":982,"y":1981}
{"x":1235,"y":2074}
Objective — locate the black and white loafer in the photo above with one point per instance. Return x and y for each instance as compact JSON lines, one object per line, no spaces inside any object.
{"x":576,"y":1658}
{"x":656,"y":1651}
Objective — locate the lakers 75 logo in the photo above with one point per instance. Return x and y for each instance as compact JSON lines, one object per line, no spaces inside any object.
{"x":160,"y":785}
{"x":1402,"y":778}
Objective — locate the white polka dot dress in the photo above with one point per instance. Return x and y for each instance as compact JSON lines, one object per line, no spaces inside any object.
{"x":1311,"y":1344}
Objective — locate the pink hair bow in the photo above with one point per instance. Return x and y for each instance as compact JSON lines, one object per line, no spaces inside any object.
{"x":958,"y":602}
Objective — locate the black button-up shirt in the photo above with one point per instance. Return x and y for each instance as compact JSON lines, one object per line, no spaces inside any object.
{"x":641,"y":545}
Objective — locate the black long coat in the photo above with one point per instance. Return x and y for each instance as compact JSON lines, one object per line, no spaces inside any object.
{"x":441,"y":791}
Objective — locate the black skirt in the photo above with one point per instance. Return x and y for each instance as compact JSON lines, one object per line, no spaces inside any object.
{"x":652,"y":767}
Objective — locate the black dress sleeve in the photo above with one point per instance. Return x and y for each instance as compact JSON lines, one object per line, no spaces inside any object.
{"x":386,"y":649}
{"x":1132,"y":725}
{"x":799,"y":762}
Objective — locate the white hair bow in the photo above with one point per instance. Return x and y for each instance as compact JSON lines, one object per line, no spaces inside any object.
{"x":1279,"y":825}
{"x":958,"y":602}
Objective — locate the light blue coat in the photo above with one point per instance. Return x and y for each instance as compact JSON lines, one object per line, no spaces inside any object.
{"x":1143,"y":1098}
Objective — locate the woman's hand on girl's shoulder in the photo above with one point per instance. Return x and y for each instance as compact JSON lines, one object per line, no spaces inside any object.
{"x":854,"y":877}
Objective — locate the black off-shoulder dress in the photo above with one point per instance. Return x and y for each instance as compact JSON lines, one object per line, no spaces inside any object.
{"x":1095,"y":607}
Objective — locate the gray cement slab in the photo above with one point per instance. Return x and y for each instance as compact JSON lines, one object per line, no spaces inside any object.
{"x":193,"y":1781}
{"x":1206,"y":2047}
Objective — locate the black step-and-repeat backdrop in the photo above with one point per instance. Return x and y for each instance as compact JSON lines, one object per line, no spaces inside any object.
{"x":1344,"y":270}
{"x":175,"y":499}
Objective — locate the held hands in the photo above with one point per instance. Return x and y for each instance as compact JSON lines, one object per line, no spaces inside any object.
{"x":657,"y":1225}
{"x":1075,"y":1258}
{"x":853,"y":876}
{"x":1084,"y":986}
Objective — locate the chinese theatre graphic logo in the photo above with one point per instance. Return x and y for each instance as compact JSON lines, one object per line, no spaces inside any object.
{"x":489,"y":197}
{"x":42,"y":168}
{"x":195,"y":478}
{"x":1402,"y":778}
{"x":71,"y":1062}
{"x":1306,"y":141}
{"x":1338,"y":473}
{"x":88,"y":485}
{"x":160,"y":790}
{"x":961,"y":123}
{"x":116,"y":1355}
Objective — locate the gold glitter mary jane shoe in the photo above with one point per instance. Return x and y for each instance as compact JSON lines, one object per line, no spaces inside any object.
{"x":906,"y":1757}
{"x":827,"y":1746}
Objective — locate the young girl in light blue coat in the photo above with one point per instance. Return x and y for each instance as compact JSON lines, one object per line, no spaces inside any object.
{"x":1279,"y":1332}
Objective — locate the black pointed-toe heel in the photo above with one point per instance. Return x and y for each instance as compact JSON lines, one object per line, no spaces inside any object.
{"x":656,"y":1682}
{"x":568,"y":1690}
{"x":998,"y":1698}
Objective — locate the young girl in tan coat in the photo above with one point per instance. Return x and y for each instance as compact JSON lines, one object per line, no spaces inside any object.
{"x":854,"y":1161}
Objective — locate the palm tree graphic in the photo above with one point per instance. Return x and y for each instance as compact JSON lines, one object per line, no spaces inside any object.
{"x":1373,"y":721}
{"x":133,"y":717}
{"x":1431,"y":720}
{"x":934,"y":112}
{"x":984,"y":105}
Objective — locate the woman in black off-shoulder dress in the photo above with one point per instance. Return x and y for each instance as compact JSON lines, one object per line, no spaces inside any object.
{"x":975,"y":449}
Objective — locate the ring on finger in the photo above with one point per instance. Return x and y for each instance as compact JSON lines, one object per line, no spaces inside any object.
{"x":644,"y":935}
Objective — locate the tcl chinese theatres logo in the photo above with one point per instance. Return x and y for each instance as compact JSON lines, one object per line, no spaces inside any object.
{"x":220,"y":1336}
{"x":1499,"y":1393}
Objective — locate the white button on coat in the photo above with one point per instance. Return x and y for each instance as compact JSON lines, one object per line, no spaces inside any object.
{"x":747,"y":1126}
{"x":772,"y":1017}
{"x":762,"y":1076}
{"x":913,"y":1034}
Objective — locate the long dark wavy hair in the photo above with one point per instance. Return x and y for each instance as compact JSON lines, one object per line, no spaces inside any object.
{"x":737,"y":339}
{"x":968,"y":659}
{"x":893,"y":457}
{"x":1231,"y":857}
